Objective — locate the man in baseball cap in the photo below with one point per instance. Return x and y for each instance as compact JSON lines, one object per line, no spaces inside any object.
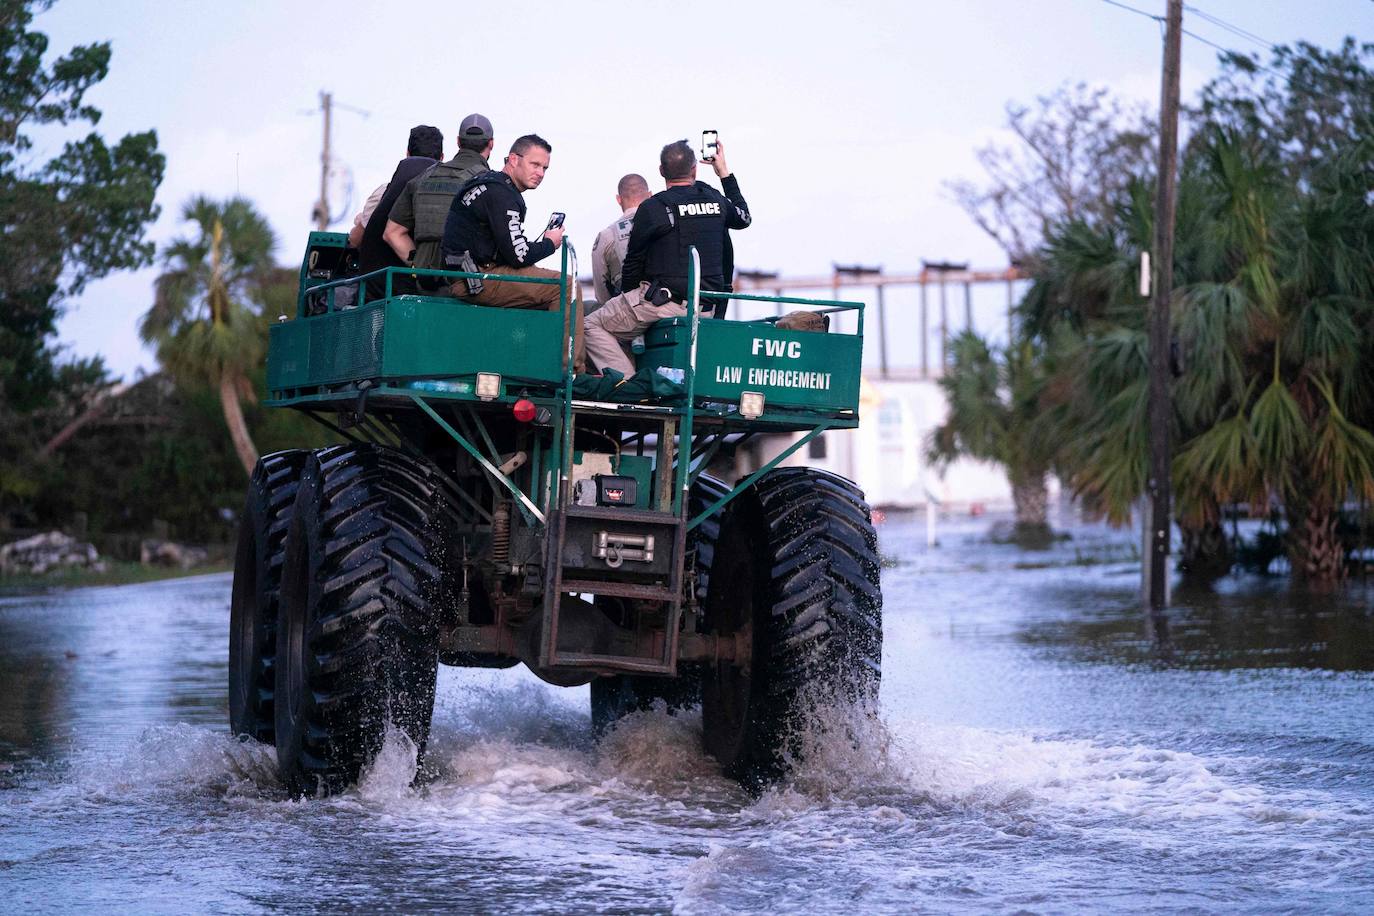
{"x":475,"y":127}
{"x":415,"y":226}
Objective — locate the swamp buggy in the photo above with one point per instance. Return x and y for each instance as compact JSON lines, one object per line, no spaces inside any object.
{"x":486,"y":511}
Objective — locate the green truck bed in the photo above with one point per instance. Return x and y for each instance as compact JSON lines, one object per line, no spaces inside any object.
{"x":437,"y":345}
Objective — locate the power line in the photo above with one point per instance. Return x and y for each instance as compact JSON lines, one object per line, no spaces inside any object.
{"x":1205,"y":41}
{"x":1233,"y":29}
{"x":1137,"y":11}
{"x":1194,"y":35}
{"x":1225,"y":50}
{"x":1208,"y":17}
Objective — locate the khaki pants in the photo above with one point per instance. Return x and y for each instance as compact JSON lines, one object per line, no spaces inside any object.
{"x":623,"y":318}
{"x":503,"y":294}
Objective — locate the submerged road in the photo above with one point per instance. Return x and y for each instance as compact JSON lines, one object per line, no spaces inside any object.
{"x":1034,"y":756}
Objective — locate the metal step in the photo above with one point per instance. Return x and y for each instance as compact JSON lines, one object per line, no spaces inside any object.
{"x":604,"y":524}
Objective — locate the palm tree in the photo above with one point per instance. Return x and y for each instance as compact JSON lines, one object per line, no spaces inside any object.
{"x":1282,"y":329}
{"x":1274,"y":309}
{"x":203,"y":320}
{"x":993,"y":397}
{"x":1086,"y":308}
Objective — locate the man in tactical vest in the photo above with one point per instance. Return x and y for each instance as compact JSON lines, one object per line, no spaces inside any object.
{"x":688,"y":212}
{"x":415,"y":226}
{"x":485,"y":233}
{"x":608,"y":251}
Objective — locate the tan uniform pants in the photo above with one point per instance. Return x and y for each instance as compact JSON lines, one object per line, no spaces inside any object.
{"x":623,"y":318}
{"x":504,"y":294}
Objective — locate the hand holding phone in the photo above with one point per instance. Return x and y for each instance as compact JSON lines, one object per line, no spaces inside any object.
{"x":555,"y":221}
{"x":717,"y":150}
{"x":709,"y":142}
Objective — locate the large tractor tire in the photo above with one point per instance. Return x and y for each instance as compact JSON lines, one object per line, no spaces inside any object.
{"x":257,"y":584}
{"x":794,"y":572}
{"x":357,"y":638}
{"x":617,"y":696}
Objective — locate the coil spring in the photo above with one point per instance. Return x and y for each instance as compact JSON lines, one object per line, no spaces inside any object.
{"x":500,"y":533}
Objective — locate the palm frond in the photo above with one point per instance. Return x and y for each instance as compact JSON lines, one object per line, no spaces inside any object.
{"x":1280,"y":433}
{"x":1218,"y":466}
{"x":1342,"y":454}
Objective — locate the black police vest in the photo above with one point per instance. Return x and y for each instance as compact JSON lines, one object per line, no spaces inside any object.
{"x":465,"y":230}
{"x":698,"y":216}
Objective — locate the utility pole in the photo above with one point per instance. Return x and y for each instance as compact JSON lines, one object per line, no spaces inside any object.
{"x":322,"y":207}
{"x":1161,"y":405}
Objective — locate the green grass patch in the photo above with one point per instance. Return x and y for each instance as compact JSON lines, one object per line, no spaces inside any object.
{"x":115,"y":573}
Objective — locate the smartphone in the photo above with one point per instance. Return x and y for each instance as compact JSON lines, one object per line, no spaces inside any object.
{"x":555,"y":221}
{"x":708,"y":145}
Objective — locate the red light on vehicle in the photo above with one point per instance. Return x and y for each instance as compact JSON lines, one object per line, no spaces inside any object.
{"x":524,"y":410}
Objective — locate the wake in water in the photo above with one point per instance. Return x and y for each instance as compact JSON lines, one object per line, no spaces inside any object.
{"x":527,"y":748}
{"x":184,"y":759}
{"x":513,"y":778}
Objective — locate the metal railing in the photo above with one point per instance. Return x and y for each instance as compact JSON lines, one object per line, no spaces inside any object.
{"x":680,"y":472}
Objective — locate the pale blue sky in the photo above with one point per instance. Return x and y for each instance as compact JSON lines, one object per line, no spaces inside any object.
{"x":842,"y":120}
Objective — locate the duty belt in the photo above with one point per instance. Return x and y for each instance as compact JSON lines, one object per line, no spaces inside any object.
{"x":659,"y":294}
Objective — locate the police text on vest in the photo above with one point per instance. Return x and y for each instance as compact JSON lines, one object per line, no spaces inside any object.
{"x":709,"y":208}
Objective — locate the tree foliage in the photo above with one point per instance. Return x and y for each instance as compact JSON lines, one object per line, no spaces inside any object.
{"x":1309,"y":104}
{"x":63,"y":223}
{"x":204,"y":318}
{"x":994,"y":399}
{"x":1077,"y":147}
{"x":156,"y":448}
{"x":1273,"y":318}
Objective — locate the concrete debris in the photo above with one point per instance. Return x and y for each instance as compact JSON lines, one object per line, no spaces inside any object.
{"x":169,"y":553}
{"x":43,"y":552}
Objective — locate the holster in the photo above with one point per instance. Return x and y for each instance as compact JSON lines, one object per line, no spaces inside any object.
{"x":463,"y":261}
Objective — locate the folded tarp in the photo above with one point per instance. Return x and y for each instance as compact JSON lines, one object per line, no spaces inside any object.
{"x":644,"y":387}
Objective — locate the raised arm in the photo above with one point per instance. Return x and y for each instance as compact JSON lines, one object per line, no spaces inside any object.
{"x":738,"y":217}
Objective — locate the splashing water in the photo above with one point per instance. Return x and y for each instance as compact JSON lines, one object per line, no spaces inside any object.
{"x":390,"y":774}
{"x":1002,"y":771}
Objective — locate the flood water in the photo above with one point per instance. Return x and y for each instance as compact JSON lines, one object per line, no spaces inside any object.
{"x":1036,"y":755}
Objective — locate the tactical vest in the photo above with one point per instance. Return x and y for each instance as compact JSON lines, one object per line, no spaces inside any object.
{"x":435,"y":190}
{"x":698,"y":217}
{"x":471,"y":234}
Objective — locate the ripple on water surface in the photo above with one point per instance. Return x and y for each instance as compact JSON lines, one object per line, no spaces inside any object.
{"x":532,"y":812}
{"x":1012,"y":769}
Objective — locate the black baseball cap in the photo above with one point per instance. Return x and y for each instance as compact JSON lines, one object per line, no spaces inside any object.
{"x":475,"y":127}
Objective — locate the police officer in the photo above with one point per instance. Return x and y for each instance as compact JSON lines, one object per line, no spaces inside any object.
{"x":415,"y":226}
{"x":485,"y":232}
{"x":608,"y":250}
{"x":688,"y":212}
